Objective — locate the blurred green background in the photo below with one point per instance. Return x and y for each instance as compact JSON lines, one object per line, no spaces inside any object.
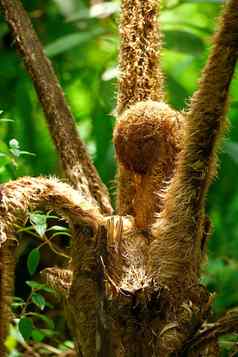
{"x":82,"y":42}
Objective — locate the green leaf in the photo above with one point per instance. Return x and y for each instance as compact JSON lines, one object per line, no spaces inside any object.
{"x":17,"y":302}
{"x":38,"y":300}
{"x":48,"y":332}
{"x":183,"y":41}
{"x":33,"y":260}
{"x":39,"y":222}
{"x":66,"y":234}
{"x":65,"y":345}
{"x":48,"y":304}
{"x":38,"y":218}
{"x":6,"y":120}
{"x":38,"y":335}
{"x":35,"y":285}
{"x":25,"y":327}
{"x":68,"y":42}
{"x":27,"y":153}
{"x":38,"y":286}
{"x":17,"y":299}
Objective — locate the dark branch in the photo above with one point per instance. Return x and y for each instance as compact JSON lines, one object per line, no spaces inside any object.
{"x":75,"y":160}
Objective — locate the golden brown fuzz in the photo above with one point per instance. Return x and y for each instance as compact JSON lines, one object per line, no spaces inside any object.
{"x":147,"y":138}
{"x":140,"y":74}
{"x":143,"y":134}
{"x":179,"y":229}
{"x":141,"y":77}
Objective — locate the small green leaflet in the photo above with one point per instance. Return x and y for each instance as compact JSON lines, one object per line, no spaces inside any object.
{"x":39,"y":222}
{"x":25,"y":327}
{"x":38,"y":300}
{"x":38,"y":286}
{"x":33,"y":260}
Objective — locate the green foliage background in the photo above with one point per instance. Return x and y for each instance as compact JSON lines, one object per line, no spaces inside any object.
{"x":83,"y":47}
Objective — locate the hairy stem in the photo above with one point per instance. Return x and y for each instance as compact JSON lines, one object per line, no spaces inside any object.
{"x":141,"y":78}
{"x":140,"y":74}
{"x":22,"y":195}
{"x":76,"y":163}
{"x":179,"y":227}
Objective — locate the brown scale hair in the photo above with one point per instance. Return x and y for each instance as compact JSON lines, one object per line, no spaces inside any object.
{"x":148,"y":131}
{"x":168,"y":159}
{"x":179,"y":228}
{"x":147,"y":140}
{"x":140,"y":75}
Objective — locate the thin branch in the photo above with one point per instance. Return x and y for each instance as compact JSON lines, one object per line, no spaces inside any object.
{"x":20,"y":196}
{"x":179,"y":227}
{"x":140,"y":74}
{"x":74,"y":157}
